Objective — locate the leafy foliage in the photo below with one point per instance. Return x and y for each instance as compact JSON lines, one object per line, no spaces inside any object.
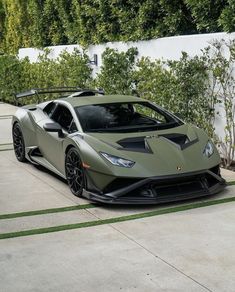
{"x":43,"y":23}
{"x":10,"y":69}
{"x":179,"y":86}
{"x":193,"y":88}
{"x":117,"y":70}
{"x":206,"y":13}
{"x":220,"y":59}
{"x":191,"y":91}
{"x":227,"y":17}
{"x":2,"y":22}
{"x":20,"y":75}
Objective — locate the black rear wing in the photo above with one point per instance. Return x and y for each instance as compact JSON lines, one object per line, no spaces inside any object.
{"x":38,"y":91}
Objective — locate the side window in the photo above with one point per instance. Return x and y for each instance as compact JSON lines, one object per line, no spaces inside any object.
{"x":63,"y":116}
{"x":49,"y":109}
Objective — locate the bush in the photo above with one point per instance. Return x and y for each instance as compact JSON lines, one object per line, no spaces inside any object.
{"x":116,"y":76}
{"x":189,"y":87}
{"x":220,"y":59}
{"x":54,"y":22}
{"x":179,"y":86}
{"x":20,"y":75}
{"x":10,"y":74}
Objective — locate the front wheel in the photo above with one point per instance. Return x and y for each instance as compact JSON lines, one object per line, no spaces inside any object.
{"x":18,"y":143}
{"x":74,"y":172}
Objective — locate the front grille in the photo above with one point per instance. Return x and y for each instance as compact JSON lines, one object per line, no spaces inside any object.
{"x":182,"y":187}
{"x":177,"y":189}
{"x":119,"y":183}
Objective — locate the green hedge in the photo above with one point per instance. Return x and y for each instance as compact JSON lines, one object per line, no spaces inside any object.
{"x":180,"y":86}
{"x":37,"y":23}
{"x":20,"y":75}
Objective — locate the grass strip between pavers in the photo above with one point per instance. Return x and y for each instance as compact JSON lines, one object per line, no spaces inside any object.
{"x":114,"y":220}
{"x":6,"y":144}
{"x":6,"y":117}
{"x":231,"y":183}
{"x":46,"y":211}
{"x":57,"y":210}
{"x":6,"y":149}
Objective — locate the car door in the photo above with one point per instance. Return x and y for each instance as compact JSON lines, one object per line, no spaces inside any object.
{"x":50,"y":143}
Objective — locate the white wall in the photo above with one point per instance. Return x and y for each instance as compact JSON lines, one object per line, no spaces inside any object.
{"x":168,"y":48}
{"x":162,"y":48}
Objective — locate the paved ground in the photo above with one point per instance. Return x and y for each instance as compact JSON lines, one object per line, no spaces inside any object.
{"x":191,"y":249}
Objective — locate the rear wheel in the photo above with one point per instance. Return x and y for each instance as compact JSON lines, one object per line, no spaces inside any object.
{"x":18,"y":143}
{"x":74,"y":172}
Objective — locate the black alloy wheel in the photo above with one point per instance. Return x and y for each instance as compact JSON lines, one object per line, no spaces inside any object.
{"x":74,"y":172}
{"x":18,"y":143}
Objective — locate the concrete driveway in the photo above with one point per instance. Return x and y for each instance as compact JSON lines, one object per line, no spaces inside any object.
{"x":53,"y":241}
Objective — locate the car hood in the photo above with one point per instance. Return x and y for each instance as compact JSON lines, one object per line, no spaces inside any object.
{"x":155,"y":153}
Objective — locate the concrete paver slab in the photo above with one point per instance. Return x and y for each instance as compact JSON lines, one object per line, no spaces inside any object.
{"x":7,"y":109}
{"x":5,"y":131}
{"x":22,"y":191}
{"x":93,"y":259}
{"x":185,"y":251}
{"x":43,"y":221}
{"x":199,"y":242}
{"x":46,"y":177}
{"x":40,"y":182}
{"x":228,"y":174}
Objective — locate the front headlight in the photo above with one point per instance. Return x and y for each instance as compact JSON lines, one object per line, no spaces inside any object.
{"x":209,"y":149}
{"x":118,"y":161}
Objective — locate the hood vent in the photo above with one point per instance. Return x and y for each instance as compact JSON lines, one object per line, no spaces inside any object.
{"x":140,"y":144}
{"x":181,"y":140}
{"x":136,"y":144}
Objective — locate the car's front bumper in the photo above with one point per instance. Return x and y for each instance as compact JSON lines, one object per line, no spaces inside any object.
{"x":163,"y":189}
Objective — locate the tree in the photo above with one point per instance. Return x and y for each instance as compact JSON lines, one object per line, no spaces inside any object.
{"x":227,"y":17}
{"x":206,"y":13}
{"x":56,"y":21}
{"x":2,"y":23}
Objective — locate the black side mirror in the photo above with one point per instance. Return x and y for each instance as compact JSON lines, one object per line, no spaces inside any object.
{"x":54,"y":127}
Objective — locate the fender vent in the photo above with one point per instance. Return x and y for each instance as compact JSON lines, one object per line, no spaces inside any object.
{"x":36,"y":152}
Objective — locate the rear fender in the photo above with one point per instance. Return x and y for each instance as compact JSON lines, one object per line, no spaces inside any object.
{"x":27,"y":125}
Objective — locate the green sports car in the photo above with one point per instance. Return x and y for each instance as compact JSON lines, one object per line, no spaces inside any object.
{"x":115,"y":148}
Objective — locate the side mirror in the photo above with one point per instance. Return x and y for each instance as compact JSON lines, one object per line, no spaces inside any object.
{"x":54,"y":127}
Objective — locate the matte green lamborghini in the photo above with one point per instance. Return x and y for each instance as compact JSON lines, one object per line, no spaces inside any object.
{"x":116,"y":149}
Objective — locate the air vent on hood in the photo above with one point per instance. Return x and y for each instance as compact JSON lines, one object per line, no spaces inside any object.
{"x":181,"y":140}
{"x":138,"y":144}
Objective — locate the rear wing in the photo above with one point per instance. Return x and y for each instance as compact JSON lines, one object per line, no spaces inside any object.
{"x":38,"y":91}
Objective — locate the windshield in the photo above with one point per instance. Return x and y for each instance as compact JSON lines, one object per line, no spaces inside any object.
{"x":124,"y":117}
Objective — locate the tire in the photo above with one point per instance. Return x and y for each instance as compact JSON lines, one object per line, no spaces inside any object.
{"x":74,"y":172}
{"x":18,"y":143}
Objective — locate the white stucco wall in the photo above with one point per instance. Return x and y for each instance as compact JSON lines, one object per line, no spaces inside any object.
{"x":162,"y":48}
{"x":168,"y":48}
